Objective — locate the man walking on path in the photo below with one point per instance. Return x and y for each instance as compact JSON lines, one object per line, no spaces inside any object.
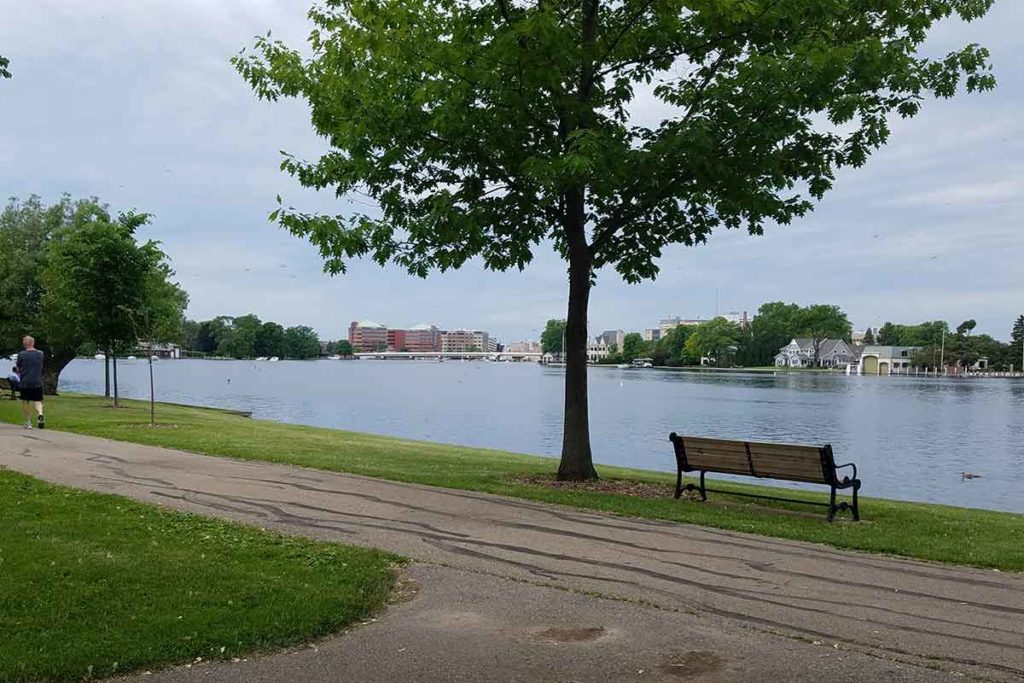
{"x":30,"y":369}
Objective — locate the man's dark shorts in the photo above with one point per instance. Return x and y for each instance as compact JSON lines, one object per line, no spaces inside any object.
{"x":32,"y":394}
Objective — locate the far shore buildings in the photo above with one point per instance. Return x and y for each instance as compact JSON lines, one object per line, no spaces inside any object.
{"x":799,"y":353}
{"x":666,"y":325}
{"x":836,"y":353}
{"x":368,"y":336}
{"x":884,"y":360}
{"x":529,"y":346}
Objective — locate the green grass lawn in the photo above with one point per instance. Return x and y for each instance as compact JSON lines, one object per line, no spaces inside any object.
{"x":92,"y":585}
{"x":932,"y":532}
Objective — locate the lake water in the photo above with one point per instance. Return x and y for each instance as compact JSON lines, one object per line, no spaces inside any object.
{"x":910,"y":437}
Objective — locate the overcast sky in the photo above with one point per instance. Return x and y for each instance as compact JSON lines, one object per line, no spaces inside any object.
{"x":134,"y":101}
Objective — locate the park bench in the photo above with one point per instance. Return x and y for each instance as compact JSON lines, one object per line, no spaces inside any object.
{"x":788,"y":462}
{"x":5,"y":385}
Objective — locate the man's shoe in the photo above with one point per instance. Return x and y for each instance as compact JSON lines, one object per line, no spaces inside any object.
{"x":28,"y":425}
{"x":42,"y":422}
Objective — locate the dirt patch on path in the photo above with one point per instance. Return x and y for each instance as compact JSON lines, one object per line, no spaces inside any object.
{"x":691,"y":664}
{"x":625,"y":487}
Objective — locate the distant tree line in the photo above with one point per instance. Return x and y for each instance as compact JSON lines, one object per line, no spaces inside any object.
{"x":941,"y":346}
{"x":724,"y":343}
{"x":247,"y":336}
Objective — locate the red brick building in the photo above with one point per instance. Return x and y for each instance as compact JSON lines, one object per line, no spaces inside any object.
{"x":367,"y":335}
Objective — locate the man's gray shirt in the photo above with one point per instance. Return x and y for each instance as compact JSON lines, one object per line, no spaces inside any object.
{"x":30,"y":366}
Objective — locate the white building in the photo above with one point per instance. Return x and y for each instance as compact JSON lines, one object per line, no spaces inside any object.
{"x":529,"y":346}
{"x":597,"y":350}
{"x":883,"y":360}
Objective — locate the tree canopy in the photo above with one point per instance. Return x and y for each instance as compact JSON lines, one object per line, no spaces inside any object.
{"x":929,"y":333}
{"x":111,"y":289}
{"x":482,"y":130}
{"x":246,"y":336}
{"x":820,"y":322}
{"x":551,"y":337}
{"x":714,"y":340}
{"x":632,"y":347}
{"x":301,"y":342}
{"x":72,"y":274}
{"x":1017,"y":332}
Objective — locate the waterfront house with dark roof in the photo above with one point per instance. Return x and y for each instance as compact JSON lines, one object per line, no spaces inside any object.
{"x":799,"y":353}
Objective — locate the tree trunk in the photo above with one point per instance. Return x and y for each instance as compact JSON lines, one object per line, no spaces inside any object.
{"x":56,"y":361}
{"x":577,"y":462}
{"x":115,"y":381}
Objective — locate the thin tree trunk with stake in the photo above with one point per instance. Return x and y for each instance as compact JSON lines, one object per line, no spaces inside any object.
{"x":152,"y":395}
{"x":116,"y":404}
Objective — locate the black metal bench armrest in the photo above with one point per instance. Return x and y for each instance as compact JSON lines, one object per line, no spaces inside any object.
{"x":849,"y":464}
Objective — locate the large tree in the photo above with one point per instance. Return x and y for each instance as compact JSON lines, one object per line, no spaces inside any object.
{"x":270,"y":340}
{"x":301,"y":343}
{"x":237,"y":338}
{"x":821,"y":322}
{"x":714,"y":340}
{"x":485,"y":129}
{"x":774,"y":326}
{"x":30,"y":234}
{"x":1017,"y":333}
{"x":633,"y":346}
{"x":552,"y":337}
{"x":113,"y":291}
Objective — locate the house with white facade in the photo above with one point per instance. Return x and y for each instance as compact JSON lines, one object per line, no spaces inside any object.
{"x":884,"y":360}
{"x":799,"y":353}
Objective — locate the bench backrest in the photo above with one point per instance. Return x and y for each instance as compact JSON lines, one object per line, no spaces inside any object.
{"x":793,"y":462}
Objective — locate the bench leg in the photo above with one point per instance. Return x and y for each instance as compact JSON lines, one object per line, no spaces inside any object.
{"x":703,"y":491}
{"x":832,"y":505}
{"x":856,"y":508}
{"x":679,"y":483}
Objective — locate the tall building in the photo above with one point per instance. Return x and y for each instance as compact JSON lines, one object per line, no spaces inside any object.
{"x":416,"y":339}
{"x":462,"y":341}
{"x":367,"y":335}
{"x":524,"y":347}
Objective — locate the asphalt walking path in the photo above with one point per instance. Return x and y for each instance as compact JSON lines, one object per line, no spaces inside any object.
{"x":508,"y":589}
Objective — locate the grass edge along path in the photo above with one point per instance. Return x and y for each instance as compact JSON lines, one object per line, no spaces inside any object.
{"x":95,"y":585}
{"x":938,"y":533}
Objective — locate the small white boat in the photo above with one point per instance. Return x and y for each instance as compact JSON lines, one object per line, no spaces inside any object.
{"x":333,"y":357}
{"x":100,"y":356}
{"x":623,"y":366}
{"x":131,"y":358}
{"x":261,"y":358}
{"x":154,"y":357}
{"x":274,"y":359}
